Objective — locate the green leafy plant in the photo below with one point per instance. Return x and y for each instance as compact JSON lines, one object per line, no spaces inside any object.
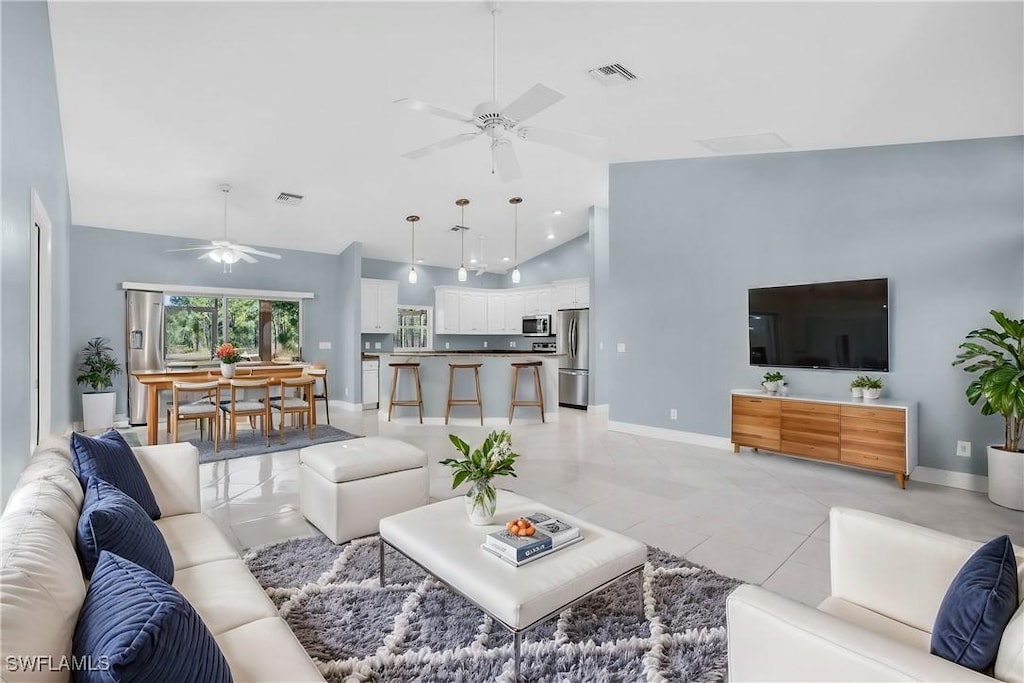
{"x":997,"y":356}
{"x":871,"y":382}
{"x":492,"y":459}
{"x":773,"y":376}
{"x":98,"y":365}
{"x":858,"y":382}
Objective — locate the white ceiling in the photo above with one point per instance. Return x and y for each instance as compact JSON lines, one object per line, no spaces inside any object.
{"x":161,"y":102}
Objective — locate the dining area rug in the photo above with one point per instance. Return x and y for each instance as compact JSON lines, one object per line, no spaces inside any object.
{"x":252,"y":442}
{"x":417,"y":629}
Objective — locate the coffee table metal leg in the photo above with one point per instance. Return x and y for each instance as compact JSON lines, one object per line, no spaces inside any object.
{"x":381,"y":546}
{"x":640,"y":574}
{"x":517,"y":644}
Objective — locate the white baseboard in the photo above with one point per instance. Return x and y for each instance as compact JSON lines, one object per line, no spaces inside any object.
{"x":671,"y":435}
{"x":957,"y":480}
{"x":464,"y":421}
{"x":347,"y":405}
{"x":600,"y":409}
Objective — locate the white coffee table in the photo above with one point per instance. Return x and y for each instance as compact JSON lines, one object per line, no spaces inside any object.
{"x":440,"y":539}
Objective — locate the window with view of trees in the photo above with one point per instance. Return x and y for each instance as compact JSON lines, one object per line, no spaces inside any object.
{"x":261,"y":329}
{"x":414,"y":328}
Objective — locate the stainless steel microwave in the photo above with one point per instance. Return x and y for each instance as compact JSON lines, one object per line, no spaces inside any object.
{"x":537,"y":326}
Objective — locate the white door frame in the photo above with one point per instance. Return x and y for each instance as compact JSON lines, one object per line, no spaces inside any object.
{"x":40,"y":318}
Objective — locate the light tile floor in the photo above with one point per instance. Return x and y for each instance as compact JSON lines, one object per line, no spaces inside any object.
{"x":759,"y":517}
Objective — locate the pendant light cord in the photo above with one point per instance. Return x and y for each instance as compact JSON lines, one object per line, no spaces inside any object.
{"x":516,"y":241}
{"x":462,"y":234}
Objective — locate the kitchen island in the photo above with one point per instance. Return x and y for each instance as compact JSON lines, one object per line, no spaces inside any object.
{"x":495,"y":386}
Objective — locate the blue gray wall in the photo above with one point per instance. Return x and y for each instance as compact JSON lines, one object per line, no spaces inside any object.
{"x":571,"y":259}
{"x":943,"y":221}
{"x":33,"y":158}
{"x":348,"y":303}
{"x":600,"y":315}
{"x":106,"y":258}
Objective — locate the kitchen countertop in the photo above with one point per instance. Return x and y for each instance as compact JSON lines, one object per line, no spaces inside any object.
{"x":476,"y":352}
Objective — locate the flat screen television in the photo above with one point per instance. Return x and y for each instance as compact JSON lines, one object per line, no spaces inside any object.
{"x":838,"y":325}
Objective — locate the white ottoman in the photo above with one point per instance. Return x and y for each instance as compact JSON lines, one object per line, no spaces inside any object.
{"x":346,"y":487}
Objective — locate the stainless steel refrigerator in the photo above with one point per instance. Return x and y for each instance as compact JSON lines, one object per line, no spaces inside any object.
{"x":144,"y":342}
{"x":572,"y":332}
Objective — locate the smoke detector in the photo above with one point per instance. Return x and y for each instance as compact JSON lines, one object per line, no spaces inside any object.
{"x":612,"y":74}
{"x":289,"y":199}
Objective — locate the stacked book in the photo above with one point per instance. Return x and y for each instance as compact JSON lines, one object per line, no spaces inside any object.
{"x":550,"y":535}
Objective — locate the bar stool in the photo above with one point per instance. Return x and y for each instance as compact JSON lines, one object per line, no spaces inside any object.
{"x":538,"y":400}
{"x":418,"y":401}
{"x":478,"y":401}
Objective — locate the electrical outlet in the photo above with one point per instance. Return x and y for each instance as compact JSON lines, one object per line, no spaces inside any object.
{"x":673,"y":414}
{"x":620,"y":347}
{"x":376,"y":345}
{"x":325,"y":346}
{"x":447,"y":345}
{"x":512,"y":345}
{"x":600,"y":346}
{"x":367,"y":344}
{"x":346,"y":391}
{"x":963,"y":449}
{"x":485,"y":345}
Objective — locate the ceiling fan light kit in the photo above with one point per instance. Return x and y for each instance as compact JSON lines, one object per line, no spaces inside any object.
{"x":516,"y":275}
{"x":413,"y":277}
{"x":501,"y":124}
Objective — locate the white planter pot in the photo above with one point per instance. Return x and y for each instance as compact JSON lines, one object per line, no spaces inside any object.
{"x":98,"y":411}
{"x":770,"y":387}
{"x":1006,"y":478}
{"x":872,"y":394}
{"x":227,"y":370}
{"x":856,"y":392}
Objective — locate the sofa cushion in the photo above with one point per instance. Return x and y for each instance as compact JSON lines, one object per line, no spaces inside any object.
{"x":110,"y":458}
{"x":194,"y":539}
{"x":266,"y":651}
{"x":112,"y":521}
{"x":1010,"y":660}
{"x":977,"y":607}
{"x":224,"y":594}
{"x":143,"y":629}
{"x":879,"y":623}
{"x":41,"y":585}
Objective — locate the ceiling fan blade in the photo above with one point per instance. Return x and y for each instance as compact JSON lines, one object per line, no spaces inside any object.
{"x":584,"y":145}
{"x":243,"y":249}
{"x":245,"y":257}
{"x":443,"y":144}
{"x":505,"y":160}
{"x":207,"y":247}
{"x":417,"y":105}
{"x":536,"y":99}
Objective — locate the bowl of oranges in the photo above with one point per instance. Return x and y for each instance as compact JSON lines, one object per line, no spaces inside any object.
{"x":520,"y":527}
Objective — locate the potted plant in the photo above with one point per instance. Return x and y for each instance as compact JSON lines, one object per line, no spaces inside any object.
{"x":493,"y":459}
{"x":771,"y":381}
{"x":228,"y":356}
{"x":872,"y":387}
{"x":96,"y":370}
{"x":996,"y":356}
{"x":857,"y":386}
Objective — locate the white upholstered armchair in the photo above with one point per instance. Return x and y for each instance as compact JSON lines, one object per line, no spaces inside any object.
{"x":888,"y":580}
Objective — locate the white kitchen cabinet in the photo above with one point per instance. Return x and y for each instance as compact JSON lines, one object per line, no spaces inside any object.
{"x":538,"y":301}
{"x":572,"y":295}
{"x":514,"y":313}
{"x":446,"y":311}
{"x":496,"y":302}
{"x":371,"y":383}
{"x":472,"y":312}
{"x":530,"y":303}
{"x":379,"y":303}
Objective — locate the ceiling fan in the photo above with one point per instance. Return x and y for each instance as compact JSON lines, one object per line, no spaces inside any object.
{"x":224,"y":250}
{"x":501,"y":124}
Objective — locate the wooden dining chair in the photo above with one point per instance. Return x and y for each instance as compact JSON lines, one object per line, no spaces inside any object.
{"x":241,"y":405}
{"x":301,"y":404}
{"x":203,"y":409}
{"x":318,"y":371}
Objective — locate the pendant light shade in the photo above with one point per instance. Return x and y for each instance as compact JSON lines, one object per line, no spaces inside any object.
{"x":463,"y":273}
{"x":516,"y":275}
{"x":413,"y":277}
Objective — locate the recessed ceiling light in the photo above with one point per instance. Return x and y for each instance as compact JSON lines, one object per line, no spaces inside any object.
{"x":419,"y":260}
{"x":551,"y":237}
{"x":505,"y":258}
{"x":472,"y":260}
{"x":556,"y":212}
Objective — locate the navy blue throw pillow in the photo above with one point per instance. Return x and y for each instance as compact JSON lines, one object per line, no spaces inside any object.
{"x":977,"y":607}
{"x":135,"y":627}
{"x":110,"y":458}
{"x":111,"y":520}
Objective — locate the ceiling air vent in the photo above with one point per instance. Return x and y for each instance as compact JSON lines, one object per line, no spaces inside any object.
{"x":613,"y":74}
{"x":746,"y":144}
{"x":289,"y":199}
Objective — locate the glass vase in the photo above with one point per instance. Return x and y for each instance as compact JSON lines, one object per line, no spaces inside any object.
{"x":481,"y":501}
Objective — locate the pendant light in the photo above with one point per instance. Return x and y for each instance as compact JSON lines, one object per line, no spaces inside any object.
{"x":463,"y":273}
{"x":516,"y":276}
{"x":412,"y":255}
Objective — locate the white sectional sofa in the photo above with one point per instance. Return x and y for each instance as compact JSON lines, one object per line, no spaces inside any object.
{"x":888,"y":580}
{"x":42,"y":588}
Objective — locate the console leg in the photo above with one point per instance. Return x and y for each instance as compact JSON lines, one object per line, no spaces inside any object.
{"x":735,"y":448}
{"x":901,"y":479}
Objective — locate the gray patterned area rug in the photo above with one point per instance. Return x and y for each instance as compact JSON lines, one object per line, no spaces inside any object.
{"x":416,"y":629}
{"x":252,"y":442}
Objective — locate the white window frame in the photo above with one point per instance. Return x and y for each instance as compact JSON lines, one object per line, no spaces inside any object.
{"x":430,"y":328}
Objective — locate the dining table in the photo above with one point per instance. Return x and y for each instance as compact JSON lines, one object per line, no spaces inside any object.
{"x":155,"y":382}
